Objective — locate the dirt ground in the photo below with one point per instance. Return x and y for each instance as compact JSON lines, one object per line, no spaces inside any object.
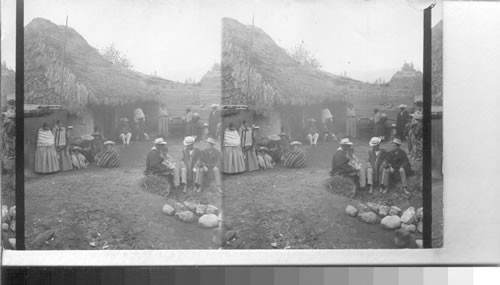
{"x":290,"y":208}
{"x":280,"y":208}
{"x":100,"y":208}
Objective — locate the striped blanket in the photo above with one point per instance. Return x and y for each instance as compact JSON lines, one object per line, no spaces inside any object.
{"x":108,"y":158}
{"x":232,"y":138}
{"x":45,"y":138}
{"x":295,"y":158}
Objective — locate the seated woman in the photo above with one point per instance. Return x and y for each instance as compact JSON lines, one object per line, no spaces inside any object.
{"x":210,"y":163}
{"x":296,"y":157}
{"x":274,"y":149}
{"x":78,"y":159}
{"x":109,"y":157}
{"x":264,"y":159}
{"x":355,"y":163}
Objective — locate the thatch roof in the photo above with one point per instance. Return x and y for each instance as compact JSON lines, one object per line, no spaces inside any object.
{"x":275,"y":78}
{"x":88,"y":77}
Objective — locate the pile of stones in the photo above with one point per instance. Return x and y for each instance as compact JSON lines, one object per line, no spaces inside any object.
{"x":207,"y":216}
{"x":405,"y":222}
{"x":9,"y":223}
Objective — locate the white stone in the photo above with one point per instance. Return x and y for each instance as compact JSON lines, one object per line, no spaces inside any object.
{"x":201,"y":209}
{"x":384,"y":211}
{"x":12,"y":242}
{"x":374,"y":207}
{"x":394,"y":211}
{"x":351,"y":211}
{"x":391,"y":222}
{"x":408,"y":216}
{"x":190,"y":205}
{"x":208,"y":221}
{"x":402,"y":238}
{"x":409,"y":227}
{"x":368,"y":217}
{"x":185,"y":216}
{"x":420,"y":214}
{"x":363,"y":207}
{"x":211,"y":209}
{"x":5,"y":213}
{"x":12,"y":212}
{"x":168,"y":210}
{"x":420,"y":243}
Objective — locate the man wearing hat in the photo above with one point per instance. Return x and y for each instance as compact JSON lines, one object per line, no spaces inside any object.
{"x":109,"y":157}
{"x":190,"y":163}
{"x":376,"y":157}
{"x":396,"y":162}
{"x":296,"y":157}
{"x":213,"y":120}
{"x":340,"y":161}
{"x":401,"y":121}
{"x":416,"y":133}
{"x":210,"y":163}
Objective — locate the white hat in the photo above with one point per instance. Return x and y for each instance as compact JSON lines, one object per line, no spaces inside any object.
{"x":295,"y":143}
{"x":402,"y":106}
{"x":70,"y":127}
{"x":160,"y":141}
{"x":214,"y":105}
{"x":374,"y":141}
{"x":211,"y":140}
{"x":345,"y":141}
{"x":108,"y":142}
{"x":188,"y":140}
{"x":274,"y":137}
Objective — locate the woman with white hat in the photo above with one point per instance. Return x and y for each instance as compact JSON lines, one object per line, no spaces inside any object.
{"x":232,"y":154}
{"x":109,"y":157}
{"x":247,"y":144}
{"x":46,"y":160}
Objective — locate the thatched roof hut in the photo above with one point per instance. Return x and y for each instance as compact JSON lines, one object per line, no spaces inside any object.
{"x":89,"y":79}
{"x":274,"y":77}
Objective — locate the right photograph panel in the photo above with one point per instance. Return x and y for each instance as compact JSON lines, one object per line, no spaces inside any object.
{"x":322,"y":124}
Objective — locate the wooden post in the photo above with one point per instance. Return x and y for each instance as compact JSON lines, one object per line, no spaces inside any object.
{"x":62,"y":61}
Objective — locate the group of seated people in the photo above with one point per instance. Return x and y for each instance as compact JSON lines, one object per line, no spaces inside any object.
{"x":191,"y":170}
{"x":382,"y":165}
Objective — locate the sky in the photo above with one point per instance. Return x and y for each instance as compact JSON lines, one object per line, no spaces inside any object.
{"x":180,"y":39}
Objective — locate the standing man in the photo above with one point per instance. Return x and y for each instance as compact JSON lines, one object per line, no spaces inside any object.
{"x":396,"y":162}
{"x":401,"y":121}
{"x":351,"y":121}
{"x":188,"y":119}
{"x":190,"y":164}
{"x":213,"y":120}
{"x":163,"y":121}
{"x":140,"y":124}
{"x":376,"y":157}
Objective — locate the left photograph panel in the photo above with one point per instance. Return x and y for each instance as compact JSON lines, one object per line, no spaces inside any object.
{"x":120,"y":120}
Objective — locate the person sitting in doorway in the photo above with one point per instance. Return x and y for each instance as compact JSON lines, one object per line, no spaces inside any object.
{"x":312,"y":133}
{"x":124,"y":132}
{"x":108,"y":157}
{"x":396,"y":162}
{"x":376,"y":158}
{"x":78,"y":159}
{"x":190,"y":164}
{"x":210,"y":163}
{"x":296,"y":157}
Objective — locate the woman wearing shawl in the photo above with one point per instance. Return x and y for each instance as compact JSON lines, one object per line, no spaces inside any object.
{"x":78,"y":159}
{"x":296,"y":157}
{"x":109,"y":157}
{"x":232,"y":155}
{"x":247,"y":142}
{"x":62,"y":149}
{"x":46,"y":160}
{"x":264,"y":159}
